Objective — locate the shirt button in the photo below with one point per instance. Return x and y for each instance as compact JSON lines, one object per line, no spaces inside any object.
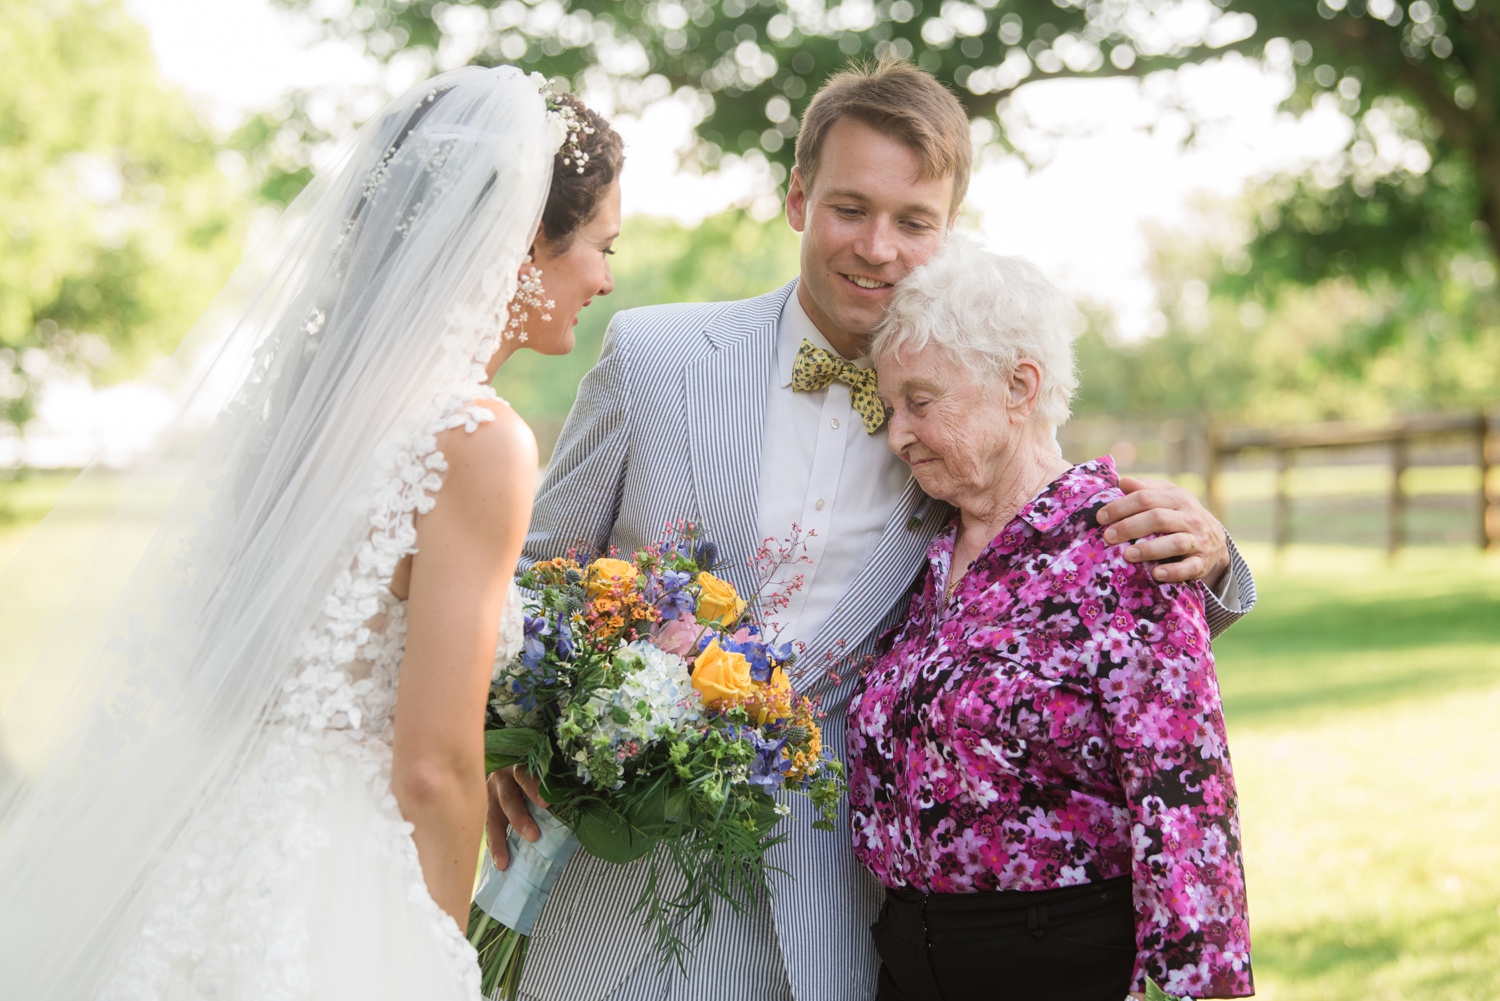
{"x":819,"y":505}
{"x":834,"y":423}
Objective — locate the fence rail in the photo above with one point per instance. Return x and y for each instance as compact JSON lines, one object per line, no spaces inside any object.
{"x":1286,"y":443}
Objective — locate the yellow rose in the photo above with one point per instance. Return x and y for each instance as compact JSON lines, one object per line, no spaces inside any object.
{"x":779,"y":682}
{"x":718,"y":604}
{"x":719,"y":674}
{"x":607,"y":572}
{"x":775,"y":697}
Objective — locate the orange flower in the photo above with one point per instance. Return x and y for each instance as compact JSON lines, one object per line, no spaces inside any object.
{"x":554,"y":572}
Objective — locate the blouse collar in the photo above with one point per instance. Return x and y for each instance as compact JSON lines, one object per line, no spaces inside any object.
{"x":1057,"y":502}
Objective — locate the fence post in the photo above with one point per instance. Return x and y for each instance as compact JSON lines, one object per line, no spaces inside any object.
{"x":1174,"y":446}
{"x":1211,"y":470}
{"x":1489,"y":506}
{"x":1281,"y":529}
{"x":1397,"y":514}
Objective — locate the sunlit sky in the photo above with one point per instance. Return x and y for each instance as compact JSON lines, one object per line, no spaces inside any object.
{"x":1110,"y":159}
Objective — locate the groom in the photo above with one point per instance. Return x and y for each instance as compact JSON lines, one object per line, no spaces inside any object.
{"x":709,"y":411}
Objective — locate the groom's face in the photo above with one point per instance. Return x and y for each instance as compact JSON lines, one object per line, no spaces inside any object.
{"x":867,"y":220}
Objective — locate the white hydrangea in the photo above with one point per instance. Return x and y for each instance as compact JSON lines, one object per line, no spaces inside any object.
{"x":502,"y":695}
{"x":665,"y":685}
{"x":655,"y":701}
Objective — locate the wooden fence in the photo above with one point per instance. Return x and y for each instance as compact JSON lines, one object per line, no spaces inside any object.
{"x":1285,"y":444}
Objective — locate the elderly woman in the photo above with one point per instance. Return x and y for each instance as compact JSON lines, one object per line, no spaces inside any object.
{"x":1038,"y":767}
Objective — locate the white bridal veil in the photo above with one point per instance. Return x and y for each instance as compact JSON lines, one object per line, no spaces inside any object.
{"x":379,"y":288}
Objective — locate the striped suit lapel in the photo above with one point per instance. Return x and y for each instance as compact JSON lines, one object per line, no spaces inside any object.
{"x":726,"y":415}
{"x":894,"y":564}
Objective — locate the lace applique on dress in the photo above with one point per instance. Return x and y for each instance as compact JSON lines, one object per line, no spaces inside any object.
{"x":223,"y":924}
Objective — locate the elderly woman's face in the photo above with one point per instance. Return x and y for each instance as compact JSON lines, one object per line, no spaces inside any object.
{"x":952,"y":426}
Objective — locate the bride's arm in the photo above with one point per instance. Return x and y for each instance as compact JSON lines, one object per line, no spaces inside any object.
{"x":467,"y":547}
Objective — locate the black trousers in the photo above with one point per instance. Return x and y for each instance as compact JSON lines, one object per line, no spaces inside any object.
{"x":1072,"y":944}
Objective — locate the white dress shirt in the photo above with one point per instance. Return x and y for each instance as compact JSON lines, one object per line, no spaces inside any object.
{"x":822,"y":471}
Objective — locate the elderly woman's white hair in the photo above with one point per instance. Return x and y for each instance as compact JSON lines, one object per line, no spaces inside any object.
{"x":988,"y":312}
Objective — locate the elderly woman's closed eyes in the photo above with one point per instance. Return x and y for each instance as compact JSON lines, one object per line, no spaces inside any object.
{"x":1038,"y":767}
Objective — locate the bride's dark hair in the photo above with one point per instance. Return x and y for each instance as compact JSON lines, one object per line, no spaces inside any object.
{"x":574,"y":198}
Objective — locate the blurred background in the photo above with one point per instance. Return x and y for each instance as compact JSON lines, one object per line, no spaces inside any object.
{"x":1280,"y":216}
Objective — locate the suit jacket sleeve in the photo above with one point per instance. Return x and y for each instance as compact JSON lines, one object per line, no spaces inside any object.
{"x":1238,"y":598}
{"x":580,"y":496}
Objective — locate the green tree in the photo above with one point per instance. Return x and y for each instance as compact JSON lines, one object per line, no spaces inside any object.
{"x":1429,"y":69}
{"x":116,"y":224}
{"x":1251,"y":349}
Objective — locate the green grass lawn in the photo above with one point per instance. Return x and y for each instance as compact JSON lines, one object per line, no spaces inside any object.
{"x":25,"y":498}
{"x":1363,"y":701}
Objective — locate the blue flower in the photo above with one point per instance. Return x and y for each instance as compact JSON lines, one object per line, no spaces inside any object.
{"x":757,"y":653}
{"x":564,"y":637}
{"x":771,"y":763}
{"x":668,"y":593}
{"x":532,"y":647}
{"x":525,"y":697}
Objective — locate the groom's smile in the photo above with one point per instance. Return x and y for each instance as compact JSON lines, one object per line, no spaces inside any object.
{"x":868,"y":218}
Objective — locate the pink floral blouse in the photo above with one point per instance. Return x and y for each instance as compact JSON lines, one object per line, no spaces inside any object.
{"x":1057,"y":722}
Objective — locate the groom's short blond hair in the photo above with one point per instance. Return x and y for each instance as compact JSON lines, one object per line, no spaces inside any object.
{"x":901,"y":101}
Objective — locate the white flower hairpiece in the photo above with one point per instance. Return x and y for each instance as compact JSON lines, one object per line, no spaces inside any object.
{"x":570,"y":127}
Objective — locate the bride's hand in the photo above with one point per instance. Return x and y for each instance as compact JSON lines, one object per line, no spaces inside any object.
{"x":507,"y":808}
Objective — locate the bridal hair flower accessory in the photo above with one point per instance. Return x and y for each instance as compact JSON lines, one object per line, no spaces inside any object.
{"x":528,"y":297}
{"x":575,"y":127}
{"x":565,"y":117}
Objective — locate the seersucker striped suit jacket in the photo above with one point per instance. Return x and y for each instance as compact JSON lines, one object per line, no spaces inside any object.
{"x":668,"y":425}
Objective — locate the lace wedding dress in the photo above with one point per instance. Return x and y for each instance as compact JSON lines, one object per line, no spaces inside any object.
{"x":302,"y":881}
{"x":195,"y":794}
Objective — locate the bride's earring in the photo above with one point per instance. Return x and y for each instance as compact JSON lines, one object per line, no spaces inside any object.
{"x":529,"y":296}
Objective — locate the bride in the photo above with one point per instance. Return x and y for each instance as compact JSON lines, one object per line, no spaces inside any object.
{"x":256,"y":763}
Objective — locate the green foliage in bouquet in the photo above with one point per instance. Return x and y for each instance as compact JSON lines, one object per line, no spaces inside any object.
{"x":660,"y":725}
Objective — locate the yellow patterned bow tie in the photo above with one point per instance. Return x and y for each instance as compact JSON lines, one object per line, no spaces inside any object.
{"x":815,"y":369}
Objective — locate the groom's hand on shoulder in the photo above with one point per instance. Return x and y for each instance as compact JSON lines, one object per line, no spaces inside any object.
{"x":1184,"y":530}
{"x":507,"y":808}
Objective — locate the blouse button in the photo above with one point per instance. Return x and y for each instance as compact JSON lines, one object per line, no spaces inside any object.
{"x":834,"y":423}
{"x":819,"y":504}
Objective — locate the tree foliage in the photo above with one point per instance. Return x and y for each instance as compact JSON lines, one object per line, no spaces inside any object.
{"x":1419,"y":184}
{"x":1434,"y":62}
{"x":116,"y":225}
{"x":1262,"y":350}
{"x":1366,"y":284}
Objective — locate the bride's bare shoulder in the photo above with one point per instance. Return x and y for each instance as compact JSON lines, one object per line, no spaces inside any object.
{"x":497,"y":454}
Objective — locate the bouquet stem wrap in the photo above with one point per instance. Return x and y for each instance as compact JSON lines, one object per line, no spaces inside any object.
{"x":507,"y":904}
{"x":515,"y":897}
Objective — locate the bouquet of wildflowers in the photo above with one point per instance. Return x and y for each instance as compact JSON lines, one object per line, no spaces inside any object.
{"x":657,"y":717}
